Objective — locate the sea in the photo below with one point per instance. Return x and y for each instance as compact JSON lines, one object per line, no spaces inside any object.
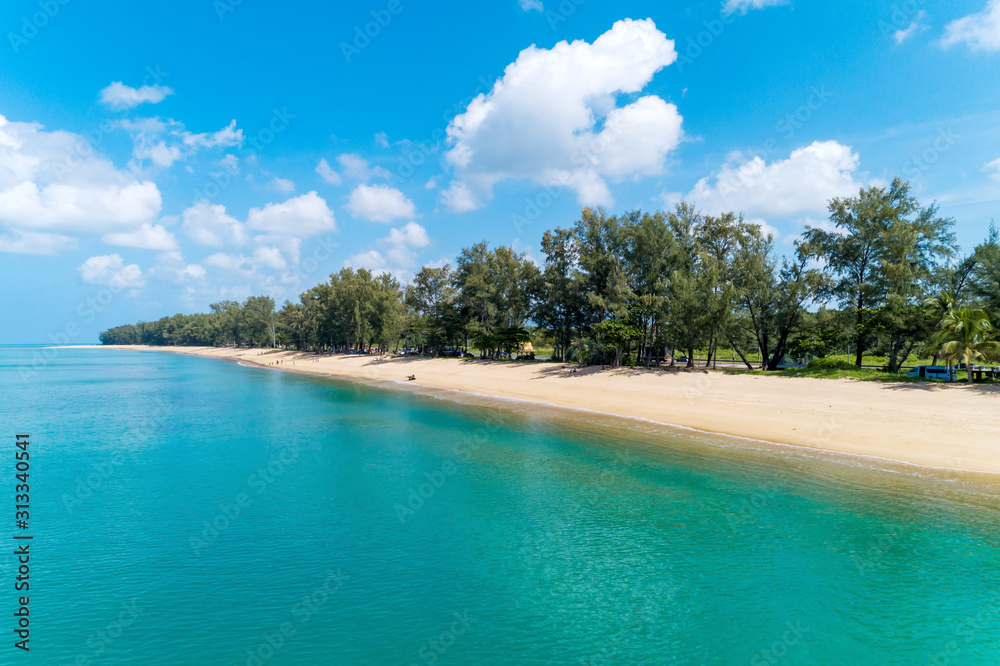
{"x":186,"y":510}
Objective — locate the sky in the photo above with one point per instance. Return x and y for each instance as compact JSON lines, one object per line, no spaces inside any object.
{"x":156,"y":159}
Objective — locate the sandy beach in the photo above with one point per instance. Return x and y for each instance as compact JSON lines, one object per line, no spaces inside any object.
{"x":953,"y":427}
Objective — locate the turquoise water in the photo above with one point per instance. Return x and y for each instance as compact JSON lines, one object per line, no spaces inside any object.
{"x":380,"y":526}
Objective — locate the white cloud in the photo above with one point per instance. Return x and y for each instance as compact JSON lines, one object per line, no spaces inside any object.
{"x":766,"y":228}
{"x":299,"y":217}
{"x":122,"y":96}
{"x":529,"y":5}
{"x":33,"y":242}
{"x":799,"y":185}
{"x":230,"y":263}
{"x":553,"y":118}
{"x":208,"y":224}
{"x":913,"y":29}
{"x":409,"y":235}
{"x":110,"y":271}
{"x":171,"y":266}
{"x":356,"y":167}
{"x":164,"y":142}
{"x":270,"y":257}
{"x":283,"y":185}
{"x":396,"y":253}
{"x":327,"y":173}
{"x":147,"y":237}
{"x":227,"y":136}
{"x":459,"y":198}
{"x":744,"y":6}
{"x":382,"y":140}
{"x":993,"y":169}
{"x":980,"y":32}
{"x":373,"y":260}
{"x":54,"y":181}
{"x":380,"y":203}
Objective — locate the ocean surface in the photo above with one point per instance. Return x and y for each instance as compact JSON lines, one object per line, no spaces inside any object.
{"x":193,"y":511}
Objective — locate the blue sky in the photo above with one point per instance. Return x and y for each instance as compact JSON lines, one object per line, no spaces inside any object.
{"x":154,"y":161}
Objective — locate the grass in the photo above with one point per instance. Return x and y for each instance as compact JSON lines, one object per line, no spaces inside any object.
{"x":863,"y":374}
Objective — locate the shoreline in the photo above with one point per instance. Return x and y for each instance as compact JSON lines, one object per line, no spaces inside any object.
{"x":953,"y":428}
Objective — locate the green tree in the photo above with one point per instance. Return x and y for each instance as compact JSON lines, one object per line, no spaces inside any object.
{"x":881,"y":254}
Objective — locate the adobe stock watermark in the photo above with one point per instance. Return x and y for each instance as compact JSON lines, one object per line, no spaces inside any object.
{"x":220,"y":180}
{"x":33,"y":23}
{"x":418,"y":495}
{"x":99,"y":642}
{"x":877,"y":550}
{"x":967,"y":630}
{"x":435,"y":648}
{"x":562,"y":12}
{"x":102,"y":471}
{"x":698,"y":44}
{"x":302,"y":612}
{"x":792,"y":122}
{"x":363,"y":35}
{"x":780,"y":648}
{"x":223,"y":7}
{"x":923,"y":161}
{"x":418,"y":152}
{"x":93,"y":139}
{"x":86,"y":311}
{"x":787,"y":127}
{"x":582,"y":159}
{"x":901,"y":16}
{"x":230,"y":513}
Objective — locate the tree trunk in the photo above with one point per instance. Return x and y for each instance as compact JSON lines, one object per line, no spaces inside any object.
{"x":779,"y":352}
{"x":742,"y":356}
{"x":858,"y":340}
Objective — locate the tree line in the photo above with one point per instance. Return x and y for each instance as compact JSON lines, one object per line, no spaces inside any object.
{"x":883,"y":277}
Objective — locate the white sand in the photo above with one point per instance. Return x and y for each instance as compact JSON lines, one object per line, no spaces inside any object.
{"x":947,"y":426}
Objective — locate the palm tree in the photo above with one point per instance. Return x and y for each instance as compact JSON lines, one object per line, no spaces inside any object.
{"x":966,"y":333}
{"x":938,"y":306}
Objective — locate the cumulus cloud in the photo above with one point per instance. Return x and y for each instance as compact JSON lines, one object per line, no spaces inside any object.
{"x":110,"y":271}
{"x":799,"y":185}
{"x":914,"y":28}
{"x":380,"y":203}
{"x":410,"y":235}
{"x":300,"y":217}
{"x":55,"y":182}
{"x":146,"y":237}
{"x":121,"y":96}
{"x":282,"y":228}
{"x":208,"y":224}
{"x":170,"y":266}
{"x":459,"y":198}
{"x":744,"y":6}
{"x":980,"y":32}
{"x":553,"y":118}
{"x":396,"y":253}
{"x":327,"y":173}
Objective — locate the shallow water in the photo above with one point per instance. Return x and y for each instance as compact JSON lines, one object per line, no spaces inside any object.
{"x":386,"y":526}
